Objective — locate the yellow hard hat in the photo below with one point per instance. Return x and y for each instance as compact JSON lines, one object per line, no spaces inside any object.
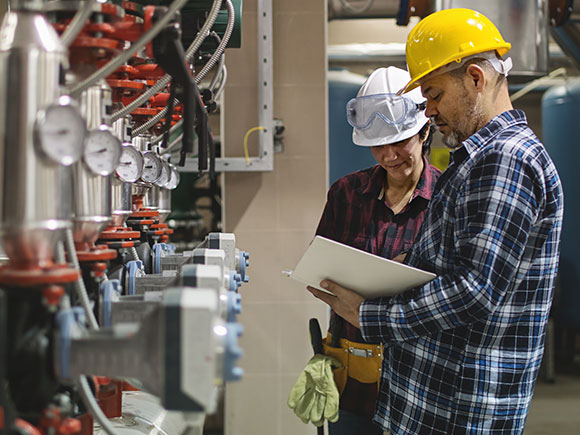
{"x":446,"y":36}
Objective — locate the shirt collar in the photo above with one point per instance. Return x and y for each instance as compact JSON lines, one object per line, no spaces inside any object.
{"x":378,"y":175}
{"x":488,"y":132}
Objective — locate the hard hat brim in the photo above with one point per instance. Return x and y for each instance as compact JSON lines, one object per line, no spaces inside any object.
{"x":414,"y":83}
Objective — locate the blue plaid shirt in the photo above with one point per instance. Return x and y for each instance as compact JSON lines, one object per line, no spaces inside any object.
{"x":463,"y":351}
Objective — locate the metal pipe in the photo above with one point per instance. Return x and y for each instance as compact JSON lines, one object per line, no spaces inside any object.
{"x":77,"y":23}
{"x":112,"y":66}
{"x":349,"y":9}
{"x":163,"y":81}
{"x":206,"y":68}
{"x":568,"y":38}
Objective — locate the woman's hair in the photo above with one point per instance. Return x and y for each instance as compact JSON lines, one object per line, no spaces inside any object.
{"x":426,"y":134}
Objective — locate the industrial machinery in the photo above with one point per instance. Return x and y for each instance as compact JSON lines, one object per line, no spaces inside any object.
{"x":104,"y":326}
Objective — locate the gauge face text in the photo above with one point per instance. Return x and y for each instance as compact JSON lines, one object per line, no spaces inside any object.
{"x":151,"y":167}
{"x":102,"y":152}
{"x":130,"y":165}
{"x":60,"y":134}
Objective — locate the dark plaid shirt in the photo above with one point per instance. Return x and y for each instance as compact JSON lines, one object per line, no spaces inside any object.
{"x":462,"y":352}
{"x":356,"y":214}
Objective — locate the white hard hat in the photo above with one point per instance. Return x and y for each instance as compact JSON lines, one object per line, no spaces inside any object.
{"x":383,"y":84}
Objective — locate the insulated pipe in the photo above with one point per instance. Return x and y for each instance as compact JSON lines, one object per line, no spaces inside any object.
{"x":348,"y":9}
{"x":568,"y":38}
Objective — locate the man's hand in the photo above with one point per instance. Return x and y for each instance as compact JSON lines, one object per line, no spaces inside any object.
{"x":345,"y":303}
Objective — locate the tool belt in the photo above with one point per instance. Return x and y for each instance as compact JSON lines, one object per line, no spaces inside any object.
{"x":360,"y":361}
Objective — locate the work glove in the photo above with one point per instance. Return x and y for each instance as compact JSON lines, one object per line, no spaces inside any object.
{"x":315,"y":397}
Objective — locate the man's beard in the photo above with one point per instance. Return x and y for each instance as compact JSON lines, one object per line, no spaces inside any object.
{"x":468,"y":124}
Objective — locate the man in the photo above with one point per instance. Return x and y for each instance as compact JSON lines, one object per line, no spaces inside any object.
{"x":462,"y":352}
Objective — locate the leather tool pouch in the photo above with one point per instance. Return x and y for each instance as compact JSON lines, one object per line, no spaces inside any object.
{"x":360,"y":361}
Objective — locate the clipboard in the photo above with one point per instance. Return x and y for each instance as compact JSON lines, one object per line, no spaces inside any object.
{"x":369,"y":275}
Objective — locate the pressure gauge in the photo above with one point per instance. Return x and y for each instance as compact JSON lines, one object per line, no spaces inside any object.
{"x":151,"y":167}
{"x":131,"y":165}
{"x":102,"y":151}
{"x":165,"y":174}
{"x":173,"y":179}
{"x":59,"y":133}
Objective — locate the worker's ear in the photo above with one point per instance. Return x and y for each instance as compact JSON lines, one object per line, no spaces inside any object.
{"x":476,"y":76}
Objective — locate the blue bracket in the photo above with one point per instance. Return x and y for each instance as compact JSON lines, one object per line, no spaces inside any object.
{"x":243,"y":263}
{"x":232,"y":353}
{"x":109,"y":290}
{"x":159,"y":250}
{"x":66,"y":319}
{"x":235,"y":281}
{"x":132,"y":269}
{"x":234,"y":306}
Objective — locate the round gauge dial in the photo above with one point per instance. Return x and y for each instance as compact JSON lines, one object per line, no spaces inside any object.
{"x":131,"y":164}
{"x":102,"y":152}
{"x":165,"y":174}
{"x":151,"y":167}
{"x":59,"y":134}
{"x":173,"y":179}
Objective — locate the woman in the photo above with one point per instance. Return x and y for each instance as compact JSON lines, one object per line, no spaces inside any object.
{"x":378,"y":210}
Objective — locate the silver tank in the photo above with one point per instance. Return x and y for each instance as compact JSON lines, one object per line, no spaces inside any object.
{"x":141,"y":188}
{"x":152,"y":198}
{"x":522,"y":23}
{"x":92,"y":194}
{"x":164,"y":204}
{"x":121,"y":201}
{"x":121,"y":192}
{"x":35,"y":204}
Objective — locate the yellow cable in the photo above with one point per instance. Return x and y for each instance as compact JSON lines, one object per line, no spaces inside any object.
{"x":251,"y":130}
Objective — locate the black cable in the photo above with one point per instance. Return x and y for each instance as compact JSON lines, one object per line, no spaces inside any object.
{"x":170,"y":106}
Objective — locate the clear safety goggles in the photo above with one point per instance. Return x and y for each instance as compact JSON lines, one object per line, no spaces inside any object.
{"x":395,"y":110}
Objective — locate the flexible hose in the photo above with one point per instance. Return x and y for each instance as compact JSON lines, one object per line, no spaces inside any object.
{"x":162,"y":82}
{"x":79,"y":284}
{"x":221,"y":64}
{"x":223,"y":43}
{"x":93,"y":407}
{"x":199,"y":77}
{"x":77,"y":23}
{"x":112,"y":66}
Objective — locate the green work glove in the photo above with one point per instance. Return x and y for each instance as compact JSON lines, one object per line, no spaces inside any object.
{"x":315,"y":397}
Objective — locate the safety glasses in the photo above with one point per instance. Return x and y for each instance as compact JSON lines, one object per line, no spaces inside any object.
{"x":396,"y":110}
